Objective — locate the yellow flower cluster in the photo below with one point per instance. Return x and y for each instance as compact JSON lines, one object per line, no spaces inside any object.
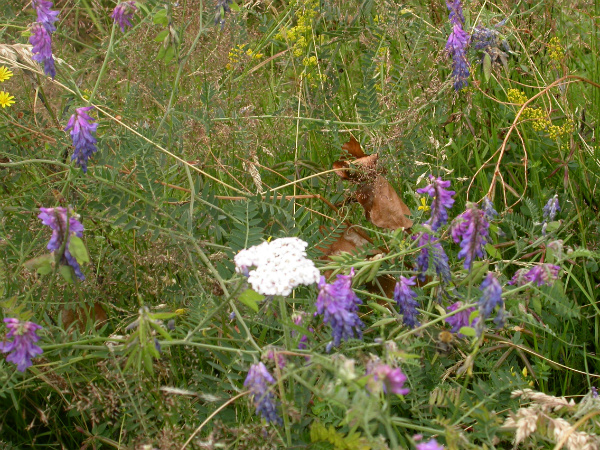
{"x":556,"y":132}
{"x":241,"y":53}
{"x":297,"y":35}
{"x":516,"y":96}
{"x":5,"y":98}
{"x":538,"y":117}
{"x":555,"y":50}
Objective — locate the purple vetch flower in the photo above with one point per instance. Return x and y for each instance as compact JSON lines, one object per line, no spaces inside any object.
{"x":488,"y":209}
{"x":551,"y":208}
{"x":471,"y":229}
{"x":22,"y":348}
{"x":442,"y":201}
{"x":384,"y":377}
{"x":594,"y":392}
{"x":45,"y":15}
{"x":123,"y":14}
{"x":429,"y":445}
{"x":338,"y":303}
{"x":258,"y":381}
{"x":457,"y":48}
{"x":491,"y":296}
{"x":56,"y":219}
{"x":82,"y":133}
{"x":455,"y":12}
{"x":223,"y":9}
{"x":405,"y":298}
{"x":438,"y":256}
{"x":42,"y":48}
{"x":542,"y":274}
{"x":460,"y":319}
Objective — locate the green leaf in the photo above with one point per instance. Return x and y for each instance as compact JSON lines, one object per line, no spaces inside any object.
{"x":67,"y":273}
{"x":42,"y":264}
{"x":161,"y":36}
{"x":467,"y":331}
{"x":78,"y":250}
{"x":160,"y":18}
{"x":235,"y":7}
{"x":382,"y":309}
{"x":169,"y":54}
{"x":250,"y":298}
{"x":383,"y":322}
{"x":493,"y":251}
{"x":487,"y":66}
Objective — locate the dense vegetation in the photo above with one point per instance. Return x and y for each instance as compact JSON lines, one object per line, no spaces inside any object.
{"x":299,"y":224}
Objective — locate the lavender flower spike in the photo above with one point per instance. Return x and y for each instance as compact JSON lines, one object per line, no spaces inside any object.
{"x":22,"y":348}
{"x":338,"y":303}
{"x":551,"y":208}
{"x":384,"y":377}
{"x":491,"y":296}
{"x":56,"y":219}
{"x":455,"y":13}
{"x":405,"y":297}
{"x":82,"y":131}
{"x":258,"y":381}
{"x":460,"y":319}
{"x":42,"y":48}
{"x":472,"y":229}
{"x":123,"y":14}
{"x":438,"y":256}
{"x":542,"y":274}
{"x":442,"y":201}
{"x":457,"y":48}
{"x":45,"y":15}
{"x":429,"y":445}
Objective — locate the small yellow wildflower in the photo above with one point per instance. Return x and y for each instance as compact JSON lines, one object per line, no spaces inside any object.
{"x":555,"y":50}
{"x":5,"y":74}
{"x":516,"y":96}
{"x":424,"y":207}
{"x":6,"y":99}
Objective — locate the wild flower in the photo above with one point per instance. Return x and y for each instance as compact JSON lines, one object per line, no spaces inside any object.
{"x":541,"y":274}
{"x":223,"y":9}
{"x":432,"y":444}
{"x":22,"y":347}
{"x":41,"y":41}
{"x":433,"y":249}
{"x":258,"y":381}
{"x":5,"y":74}
{"x":123,"y":14}
{"x":491,"y":296}
{"x":383,"y":377}
{"x":455,"y":12}
{"x":460,"y":319}
{"x":6,"y":100}
{"x":488,"y":209}
{"x":551,"y":208}
{"x":483,"y":38}
{"x":338,"y":304}
{"x":471,"y":229}
{"x":280,"y":266}
{"x":442,"y":201}
{"x":457,"y":48}
{"x":82,"y":133}
{"x":405,"y":298}
{"x":45,"y":15}
{"x":56,"y":219}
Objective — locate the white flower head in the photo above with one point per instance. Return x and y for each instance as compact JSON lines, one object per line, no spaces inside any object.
{"x":280,"y":266}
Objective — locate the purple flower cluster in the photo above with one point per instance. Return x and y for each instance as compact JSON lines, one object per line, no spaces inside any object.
{"x":384,"y":377}
{"x":542,"y":274}
{"x":82,"y":133}
{"x":457,"y":44}
{"x":471,"y":229}
{"x":258,"y":381}
{"x":123,"y":14}
{"x":488,"y":209}
{"x":22,"y":348}
{"x":41,"y":35}
{"x":338,"y":303}
{"x":438,"y":257}
{"x":551,"y":208}
{"x":405,"y":298}
{"x":460,"y":319}
{"x":442,"y":201}
{"x":432,"y":444}
{"x":56,"y":219}
{"x":491,"y":296}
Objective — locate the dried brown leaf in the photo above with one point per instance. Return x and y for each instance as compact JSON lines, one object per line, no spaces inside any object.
{"x":382,"y":204}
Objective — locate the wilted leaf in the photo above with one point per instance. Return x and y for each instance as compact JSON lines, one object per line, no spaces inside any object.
{"x":350,"y":240}
{"x":383,"y":207}
{"x":365,"y":167}
{"x":81,"y":315}
{"x":353,"y":148}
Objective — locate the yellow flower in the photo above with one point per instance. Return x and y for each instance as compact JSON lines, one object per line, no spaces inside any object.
{"x":424,"y":207}
{"x":6,"y":99}
{"x":5,"y":74}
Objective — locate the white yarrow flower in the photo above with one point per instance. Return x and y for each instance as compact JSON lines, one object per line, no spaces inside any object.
{"x":280,"y":266}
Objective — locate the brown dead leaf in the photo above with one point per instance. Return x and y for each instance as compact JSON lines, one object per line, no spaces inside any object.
{"x":383,"y":207}
{"x":353,"y":148}
{"x":80,"y":316}
{"x":367,"y":166}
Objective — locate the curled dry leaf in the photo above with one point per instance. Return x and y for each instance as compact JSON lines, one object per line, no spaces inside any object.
{"x":367,"y":165}
{"x":383,"y":207}
{"x":351,"y":239}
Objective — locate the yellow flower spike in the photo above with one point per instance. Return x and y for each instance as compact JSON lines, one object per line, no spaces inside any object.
{"x":6,"y":99}
{"x":424,"y":206}
{"x":5,"y":74}
{"x":180,"y":311}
